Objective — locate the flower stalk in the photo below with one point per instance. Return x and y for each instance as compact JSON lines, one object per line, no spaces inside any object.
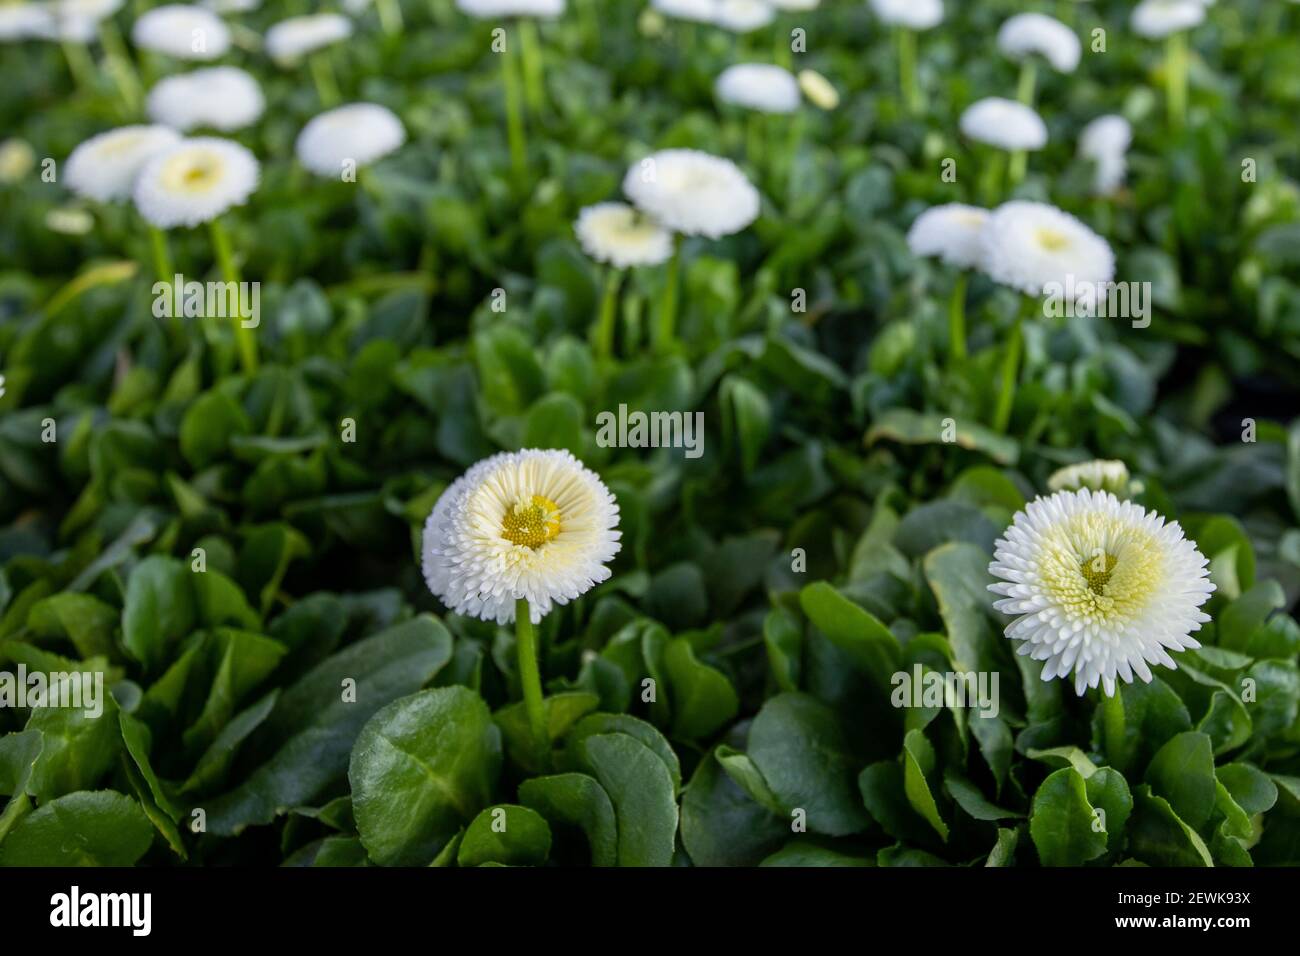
{"x":530,"y":678}
{"x":244,"y":338}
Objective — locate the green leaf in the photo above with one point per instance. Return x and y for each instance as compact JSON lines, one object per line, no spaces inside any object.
{"x":918,"y":764}
{"x":722,"y":823}
{"x":633,"y":727}
{"x":576,"y":800}
{"x":87,"y":622}
{"x":562,"y":712}
{"x":208,"y":425}
{"x":554,"y":421}
{"x":854,"y":630}
{"x":505,"y":834}
{"x":421,"y":769}
{"x":799,"y":748}
{"x":159,"y":609}
{"x":703,"y":700}
{"x":642,"y":792}
{"x":1182,"y":772}
{"x":910,"y":427}
{"x":1159,"y":837}
{"x":1062,"y":822}
{"x":100,"y":828}
{"x":78,"y":749}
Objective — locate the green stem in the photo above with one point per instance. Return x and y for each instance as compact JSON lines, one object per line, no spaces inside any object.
{"x":244,"y":336}
{"x":1112,"y":723}
{"x":120,"y":65}
{"x":162,"y":257}
{"x":530,"y":677}
{"x":514,"y":114}
{"x":991,"y":178}
{"x":957,"y":321}
{"x":1176,"y":78}
{"x":1028,"y":81}
{"x":1007,"y":386}
{"x":909,"y":88}
{"x":666,"y":328}
{"x":782,"y":54}
{"x":80,"y":66}
{"x":608,"y":313}
{"x":530,"y":56}
{"x":322,"y":76}
{"x":390,"y":16}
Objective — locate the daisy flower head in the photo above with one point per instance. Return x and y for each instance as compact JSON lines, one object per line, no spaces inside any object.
{"x":105,"y":167}
{"x":795,"y":5}
{"x":183,"y":31}
{"x":743,"y":16}
{"x":618,"y":234}
{"x":223,"y":98}
{"x":1105,"y":142}
{"x":912,"y":14}
{"x":758,"y":86}
{"x":23,"y":21}
{"x":1099,"y":587}
{"x":231,"y":6}
{"x":360,"y":132}
{"x":951,"y":232}
{"x":1029,"y":245}
{"x":290,"y":40}
{"x":1156,"y":19}
{"x":534,"y":524}
{"x":495,"y":9}
{"x":195,"y":181}
{"x":692,"y":192}
{"x":1098,"y":475}
{"x":1026,"y":34}
{"x":1004,"y":123}
{"x":819,"y":90}
{"x":693,"y":11}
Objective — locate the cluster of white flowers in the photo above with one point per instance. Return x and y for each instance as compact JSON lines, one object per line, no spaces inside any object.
{"x":105,"y":166}
{"x":618,"y":234}
{"x":1025,"y":245}
{"x":1027,"y":34}
{"x":290,"y":40}
{"x":194,"y":181}
{"x":1105,"y":143}
{"x":1004,"y":123}
{"x":692,"y":192}
{"x":358,"y":132}
{"x":182,"y":31}
{"x":758,"y":86}
{"x":1156,"y":19}
{"x":912,"y":14}
{"x":738,"y":16}
{"x":498,"y":9}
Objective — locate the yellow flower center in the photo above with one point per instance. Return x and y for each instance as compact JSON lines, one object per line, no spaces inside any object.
{"x":1099,"y":569}
{"x":531,"y":523}
{"x":1097,"y":572}
{"x":1052,"y":240}
{"x":192,"y":173}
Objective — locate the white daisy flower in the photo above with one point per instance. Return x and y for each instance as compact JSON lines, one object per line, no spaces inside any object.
{"x":221,"y":97}
{"x":358,"y":132}
{"x":1026,"y":34}
{"x":1004,"y":123}
{"x":195,"y":181}
{"x":534,"y":524}
{"x":743,"y":16}
{"x":616,"y":233}
{"x":694,"y":11}
{"x":496,"y":9}
{"x":913,"y":14}
{"x":950,"y":232}
{"x":69,"y":28}
{"x":758,"y":86}
{"x":1156,"y":19}
{"x":1031,"y":245}
{"x":105,"y":167}
{"x":795,"y":5}
{"x":693,"y":192}
{"x":231,"y":6}
{"x":290,"y":40}
{"x":819,"y":90}
{"x":95,"y":10}
{"x":182,"y":31}
{"x":1098,"y":475}
{"x":1105,"y":142}
{"x":1099,"y":587}
{"x":23,"y":21}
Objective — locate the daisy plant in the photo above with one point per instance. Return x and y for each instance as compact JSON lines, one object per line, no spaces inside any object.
{"x":194,"y":182}
{"x":1028,"y":38}
{"x":1170,"y":20}
{"x":517,"y":534}
{"x":952,"y":233}
{"x":908,"y":17}
{"x":309,"y":38}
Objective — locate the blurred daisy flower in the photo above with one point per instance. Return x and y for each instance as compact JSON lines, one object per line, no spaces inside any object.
{"x":1004,"y":123}
{"x":1027,"y":245}
{"x":231,"y":6}
{"x":950,"y":232}
{"x":693,"y":11}
{"x":795,"y":5}
{"x":693,"y":192}
{"x":22,"y":21}
{"x":819,"y":90}
{"x":1027,"y":34}
{"x":1105,"y":141}
{"x":358,"y":132}
{"x":495,"y":9}
{"x":535,"y":525}
{"x":1098,"y":475}
{"x":615,"y":233}
{"x":742,"y":16}
{"x":290,"y":40}
{"x":105,"y":167}
{"x":912,"y":14}
{"x":758,"y":86}
{"x":1099,"y":587}
{"x":1156,"y":19}
{"x":224,"y":98}
{"x":195,"y":181}
{"x":182,"y":31}
{"x":17,"y":158}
